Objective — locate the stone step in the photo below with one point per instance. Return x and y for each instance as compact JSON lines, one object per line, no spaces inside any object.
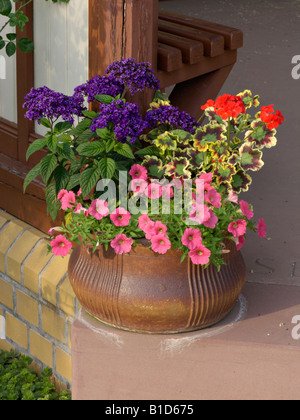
{"x":253,"y":354}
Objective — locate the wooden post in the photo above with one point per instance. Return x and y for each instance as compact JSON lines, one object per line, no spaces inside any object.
{"x":121,"y":29}
{"x":25,"y":81}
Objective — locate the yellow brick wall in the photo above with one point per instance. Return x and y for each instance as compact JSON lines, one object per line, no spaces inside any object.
{"x":36,"y":298}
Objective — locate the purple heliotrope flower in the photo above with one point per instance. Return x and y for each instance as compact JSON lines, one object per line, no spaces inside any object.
{"x":125,"y":118}
{"x":100,"y":85}
{"x":135,"y":76}
{"x":171,"y":115}
{"x":46,"y":103}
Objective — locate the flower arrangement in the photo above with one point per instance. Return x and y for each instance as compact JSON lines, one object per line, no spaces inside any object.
{"x":162,"y":178}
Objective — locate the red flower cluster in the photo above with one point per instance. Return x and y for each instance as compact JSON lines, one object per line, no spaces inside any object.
{"x":272,"y":119}
{"x":227,"y":106}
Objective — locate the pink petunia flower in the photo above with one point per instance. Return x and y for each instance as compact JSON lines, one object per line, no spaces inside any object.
{"x":200,"y":255}
{"x":261,"y":229}
{"x":138,"y":186}
{"x":61,"y":194}
{"x":160,"y":243}
{"x":207,"y":179}
{"x":168,"y":191}
{"x":99,"y":209}
{"x":52,"y":230}
{"x":212,"y":221}
{"x":144,"y":220}
{"x":80,"y":209}
{"x":199,"y":214}
{"x":213,"y":198}
{"x":121,"y":244}
{"x":246,"y":209}
{"x":240,"y":241}
{"x":192,"y":238}
{"x":138,"y":172}
{"x":120,"y":217}
{"x":67,"y":199}
{"x":238,"y":228}
{"x":153,"y":191}
{"x":155,"y":229}
{"x":60,"y":246}
{"x":233,"y":197}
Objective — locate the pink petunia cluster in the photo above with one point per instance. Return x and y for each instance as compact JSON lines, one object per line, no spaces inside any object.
{"x":199,"y":254}
{"x":156,"y":232}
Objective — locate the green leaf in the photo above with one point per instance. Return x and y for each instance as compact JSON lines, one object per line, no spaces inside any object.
{"x":124,"y":150}
{"x":52,"y":142}
{"x":81,"y":127}
{"x":62,"y":127}
{"x":5,"y":7}
{"x":74,"y":181}
{"x":45,"y":122}
{"x":25,"y":44}
{"x":107,"y":168}
{"x":90,"y":114}
{"x":52,"y":202}
{"x":11,"y":37}
{"x":89,"y":179}
{"x":32,"y":174}
{"x":48,"y":165}
{"x":110,"y":144}
{"x":150,"y":150}
{"x":91,"y":149}
{"x":61,"y":178}
{"x":85,"y":136}
{"x":104,"y":99}
{"x":10,"y":49}
{"x":35,"y":146}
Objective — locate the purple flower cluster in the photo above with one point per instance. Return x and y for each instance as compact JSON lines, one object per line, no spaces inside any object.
{"x":100,"y":85}
{"x":135,"y":76}
{"x":46,"y":103}
{"x":172,"y":116}
{"x":125,"y":119}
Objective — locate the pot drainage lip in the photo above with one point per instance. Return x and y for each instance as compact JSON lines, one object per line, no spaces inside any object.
{"x":178,"y":343}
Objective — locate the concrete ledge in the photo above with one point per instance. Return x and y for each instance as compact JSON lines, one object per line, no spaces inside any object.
{"x":36,"y":298}
{"x":252,"y":357}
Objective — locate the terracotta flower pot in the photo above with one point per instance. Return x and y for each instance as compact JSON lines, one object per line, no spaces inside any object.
{"x":146,"y":292}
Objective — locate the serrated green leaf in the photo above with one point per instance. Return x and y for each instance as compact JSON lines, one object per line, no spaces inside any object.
{"x":124,"y":150}
{"x":150,"y":151}
{"x":86,"y":136}
{"x":38,"y":144}
{"x":62,"y":127}
{"x":81,"y":127}
{"x":74,"y":181}
{"x":48,"y":165}
{"x":89,"y":179}
{"x":91,"y":149}
{"x":61,"y":178}
{"x":52,"y":202}
{"x":107,"y":167}
{"x":32,"y":174}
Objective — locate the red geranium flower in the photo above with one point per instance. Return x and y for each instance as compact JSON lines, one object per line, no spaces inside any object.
{"x":229,"y":106}
{"x":272,"y":120}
